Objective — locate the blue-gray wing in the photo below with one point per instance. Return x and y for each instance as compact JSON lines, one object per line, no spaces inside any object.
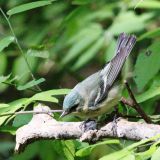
{"x":112,"y":69}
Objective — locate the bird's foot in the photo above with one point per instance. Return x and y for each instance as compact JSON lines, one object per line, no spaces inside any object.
{"x":114,"y":126}
{"x":88,"y":125}
{"x":110,"y":117}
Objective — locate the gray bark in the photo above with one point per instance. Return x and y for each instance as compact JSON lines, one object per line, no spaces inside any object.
{"x":44,"y":126}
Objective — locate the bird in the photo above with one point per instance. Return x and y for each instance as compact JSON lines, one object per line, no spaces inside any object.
{"x":99,"y":92}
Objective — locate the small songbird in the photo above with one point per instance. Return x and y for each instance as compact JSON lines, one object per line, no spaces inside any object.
{"x":98,"y":93}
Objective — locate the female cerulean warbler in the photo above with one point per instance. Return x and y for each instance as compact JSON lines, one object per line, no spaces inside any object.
{"x":98,"y":93}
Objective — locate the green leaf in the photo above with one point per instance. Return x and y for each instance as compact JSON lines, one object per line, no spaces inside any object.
{"x":48,"y":95}
{"x":117,"y":155}
{"x":30,"y":84}
{"x":69,"y":149}
{"x":3,"y":63}
{"x":147,"y":4}
{"x":129,"y":22}
{"x":110,"y":52}
{"x":24,"y":102}
{"x":87,"y":150}
{"x":4,"y":78}
{"x":28,"y":6}
{"x":128,"y":150}
{"x":152,"y":92}
{"x":81,"y":2}
{"x":21,"y":70}
{"x":8,"y":129}
{"x":150,"y":34}
{"x":21,"y":120}
{"x":146,"y":154}
{"x":82,"y":44}
{"x":156,"y":154}
{"x":82,"y":33}
{"x":5,"y":42}
{"x":3,"y":69}
{"x":5,"y":147}
{"x":12,"y":107}
{"x":38,"y":53}
{"x":129,"y":157}
{"x":89,"y":54}
{"x":147,"y":65}
{"x":65,"y":148}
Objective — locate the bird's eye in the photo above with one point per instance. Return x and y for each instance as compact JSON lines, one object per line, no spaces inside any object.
{"x":74,"y":107}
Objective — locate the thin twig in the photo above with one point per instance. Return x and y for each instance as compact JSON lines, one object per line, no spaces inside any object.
{"x":19,"y":47}
{"x":29,"y":112}
{"x":134,"y":104}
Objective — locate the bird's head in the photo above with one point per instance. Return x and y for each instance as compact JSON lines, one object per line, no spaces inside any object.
{"x":70,"y":103}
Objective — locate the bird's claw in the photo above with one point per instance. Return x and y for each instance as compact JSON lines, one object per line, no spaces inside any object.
{"x":88,"y":125}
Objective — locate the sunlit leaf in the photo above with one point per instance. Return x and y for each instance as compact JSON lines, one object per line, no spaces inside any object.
{"x":30,"y":84}
{"x":147,"y":65}
{"x":12,"y":107}
{"x":28,"y":6}
{"x":156,"y":154}
{"x":4,"y":78}
{"x":65,"y":148}
{"x":129,"y":22}
{"x":5,"y":42}
{"x":146,"y":154}
{"x":69,"y":149}
{"x":49,"y":95}
{"x":87,"y":150}
{"x":146,"y":4}
{"x":24,"y":102}
{"x":128,"y":150}
{"x":129,"y":157}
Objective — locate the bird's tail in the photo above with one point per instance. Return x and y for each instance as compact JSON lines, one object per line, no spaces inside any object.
{"x":110,"y":72}
{"x":125,"y":44}
{"x":124,"y":47}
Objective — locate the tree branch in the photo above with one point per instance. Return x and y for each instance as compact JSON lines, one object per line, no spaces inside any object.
{"x":134,"y":104}
{"x":44,"y":126}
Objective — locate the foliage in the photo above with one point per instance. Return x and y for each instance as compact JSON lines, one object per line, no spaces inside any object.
{"x":46,"y":45}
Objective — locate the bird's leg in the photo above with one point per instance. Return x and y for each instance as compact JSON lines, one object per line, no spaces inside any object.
{"x":109,"y":117}
{"x":89,"y":124}
{"x":114,"y":126}
{"x":134,"y":104}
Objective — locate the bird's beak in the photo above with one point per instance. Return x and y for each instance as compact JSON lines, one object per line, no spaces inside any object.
{"x":64,"y":113}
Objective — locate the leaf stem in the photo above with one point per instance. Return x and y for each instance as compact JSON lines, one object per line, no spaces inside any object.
{"x":19,"y":46}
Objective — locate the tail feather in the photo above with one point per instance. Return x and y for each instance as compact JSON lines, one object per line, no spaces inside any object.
{"x":127,"y":43}
{"x":110,"y":72}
